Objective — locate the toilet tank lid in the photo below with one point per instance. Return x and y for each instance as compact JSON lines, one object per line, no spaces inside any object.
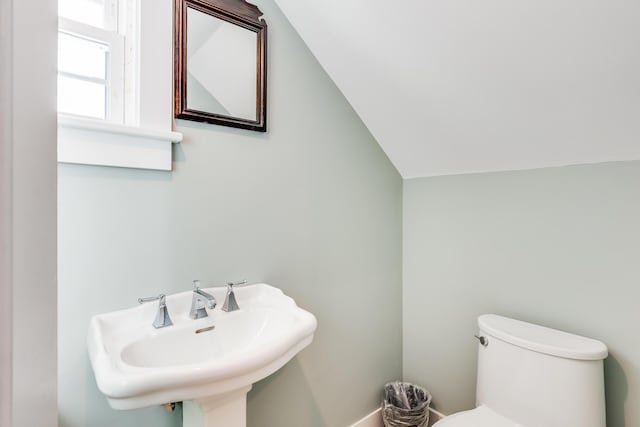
{"x":541,"y":339}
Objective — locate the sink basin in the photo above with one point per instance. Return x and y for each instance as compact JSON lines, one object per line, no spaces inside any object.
{"x":233,"y":336}
{"x":201,"y":360}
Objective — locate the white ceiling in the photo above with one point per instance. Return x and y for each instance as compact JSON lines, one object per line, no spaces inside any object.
{"x":457,"y":86}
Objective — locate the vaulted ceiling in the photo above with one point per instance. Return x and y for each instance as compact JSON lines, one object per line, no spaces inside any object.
{"x":457,"y":86}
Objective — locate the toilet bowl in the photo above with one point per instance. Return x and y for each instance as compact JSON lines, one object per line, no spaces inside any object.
{"x":533,"y":376}
{"x":479,"y":417}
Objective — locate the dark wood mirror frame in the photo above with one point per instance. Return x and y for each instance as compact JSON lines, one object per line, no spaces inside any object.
{"x":237,"y":12}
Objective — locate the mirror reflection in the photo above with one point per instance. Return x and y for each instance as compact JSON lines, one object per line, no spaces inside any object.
{"x":221,"y":66}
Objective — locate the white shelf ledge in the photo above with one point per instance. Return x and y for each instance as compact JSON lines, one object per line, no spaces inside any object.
{"x":95,"y":142}
{"x":102,"y":126}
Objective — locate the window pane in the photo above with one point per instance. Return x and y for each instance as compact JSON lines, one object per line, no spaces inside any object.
{"x":81,"y":56}
{"x":81,"y":97}
{"x":92,"y":12}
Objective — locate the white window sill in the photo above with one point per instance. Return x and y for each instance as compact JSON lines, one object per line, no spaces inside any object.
{"x":95,"y":142}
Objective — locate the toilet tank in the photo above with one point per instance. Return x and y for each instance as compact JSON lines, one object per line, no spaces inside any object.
{"x":538,"y":376}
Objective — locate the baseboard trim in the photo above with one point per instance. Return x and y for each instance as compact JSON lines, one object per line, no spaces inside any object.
{"x":435,"y":416}
{"x":374,"y":419}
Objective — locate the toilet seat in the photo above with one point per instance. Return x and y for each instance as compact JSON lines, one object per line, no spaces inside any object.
{"x":479,"y":417}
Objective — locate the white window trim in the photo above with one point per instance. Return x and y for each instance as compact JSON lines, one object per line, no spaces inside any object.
{"x":147,"y":145}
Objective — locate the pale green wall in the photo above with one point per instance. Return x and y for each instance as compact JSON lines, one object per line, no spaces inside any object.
{"x":558,"y":247}
{"x":313,"y":207}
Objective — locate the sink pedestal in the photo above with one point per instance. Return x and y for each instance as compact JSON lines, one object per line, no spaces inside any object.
{"x":227,"y":410}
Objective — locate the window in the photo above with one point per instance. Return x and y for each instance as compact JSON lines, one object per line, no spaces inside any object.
{"x":115,"y":83}
{"x":91,"y":58}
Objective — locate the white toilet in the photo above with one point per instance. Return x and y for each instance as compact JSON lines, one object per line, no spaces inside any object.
{"x":532,"y":376}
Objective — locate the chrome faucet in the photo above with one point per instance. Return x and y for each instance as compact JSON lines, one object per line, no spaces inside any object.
{"x":199,"y":300}
{"x":230,"y":303}
{"x":162,"y":319}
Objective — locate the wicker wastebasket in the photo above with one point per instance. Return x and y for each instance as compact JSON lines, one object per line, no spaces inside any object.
{"x":405,"y":405}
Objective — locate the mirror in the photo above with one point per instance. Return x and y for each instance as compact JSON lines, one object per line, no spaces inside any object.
{"x":220,"y":63}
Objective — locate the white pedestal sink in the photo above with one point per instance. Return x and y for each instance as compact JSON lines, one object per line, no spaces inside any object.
{"x":227,"y":410}
{"x":211,"y":371}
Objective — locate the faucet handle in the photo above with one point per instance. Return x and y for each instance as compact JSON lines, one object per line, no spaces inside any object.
{"x":162,"y":319}
{"x":230,"y":285}
{"x":196,"y":284}
{"x":161,"y":297}
{"x":230,"y":303}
